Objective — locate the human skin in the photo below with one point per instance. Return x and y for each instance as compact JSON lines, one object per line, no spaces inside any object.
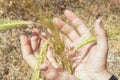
{"x":89,"y":61}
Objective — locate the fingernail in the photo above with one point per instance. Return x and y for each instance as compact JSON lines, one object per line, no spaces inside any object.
{"x":35,"y":29}
{"x":67,"y":11}
{"x":55,"y":20}
{"x":23,"y":36}
{"x":99,"y":22}
{"x":43,"y":34}
{"x":58,"y":22}
{"x":44,"y":67}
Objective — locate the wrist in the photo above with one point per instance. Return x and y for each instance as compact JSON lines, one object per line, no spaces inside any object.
{"x":105,"y":75}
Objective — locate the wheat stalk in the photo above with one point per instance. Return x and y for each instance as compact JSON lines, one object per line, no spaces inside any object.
{"x":37,"y":73}
{"x":110,"y":34}
{"x":5,"y":24}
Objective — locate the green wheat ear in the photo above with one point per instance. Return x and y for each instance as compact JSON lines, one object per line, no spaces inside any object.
{"x":6,"y":24}
{"x":37,"y":73}
{"x":110,"y":34}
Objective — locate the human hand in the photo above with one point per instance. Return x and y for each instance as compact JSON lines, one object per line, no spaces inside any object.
{"x":89,"y":62}
{"x":50,"y":68}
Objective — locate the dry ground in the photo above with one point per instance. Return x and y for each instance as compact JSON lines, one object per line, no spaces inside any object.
{"x":12,"y":65}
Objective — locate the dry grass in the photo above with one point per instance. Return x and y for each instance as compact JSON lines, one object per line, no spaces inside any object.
{"x":12,"y":65}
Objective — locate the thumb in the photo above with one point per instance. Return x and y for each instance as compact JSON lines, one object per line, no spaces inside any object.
{"x":102,"y":44}
{"x":49,"y":71}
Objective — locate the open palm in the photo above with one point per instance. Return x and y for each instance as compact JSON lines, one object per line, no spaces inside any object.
{"x":89,"y":62}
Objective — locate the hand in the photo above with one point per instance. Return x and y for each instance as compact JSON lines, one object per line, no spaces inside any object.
{"x":50,"y":68}
{"x":89,"y":62}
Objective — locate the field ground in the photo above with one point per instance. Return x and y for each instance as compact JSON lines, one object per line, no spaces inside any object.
{"x":12,"y":65}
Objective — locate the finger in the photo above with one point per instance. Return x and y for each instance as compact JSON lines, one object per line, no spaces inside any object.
{"x":81,"y":27}
{"x":27,"y":51}
{"x":65,"y":28}
{"x":43,"y":37}
{"x":62,"y":26}
{"x":35,"y":40}
{"x":52,"y":60}
{"x":101,"y":38}
{"x":49,"y":71}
